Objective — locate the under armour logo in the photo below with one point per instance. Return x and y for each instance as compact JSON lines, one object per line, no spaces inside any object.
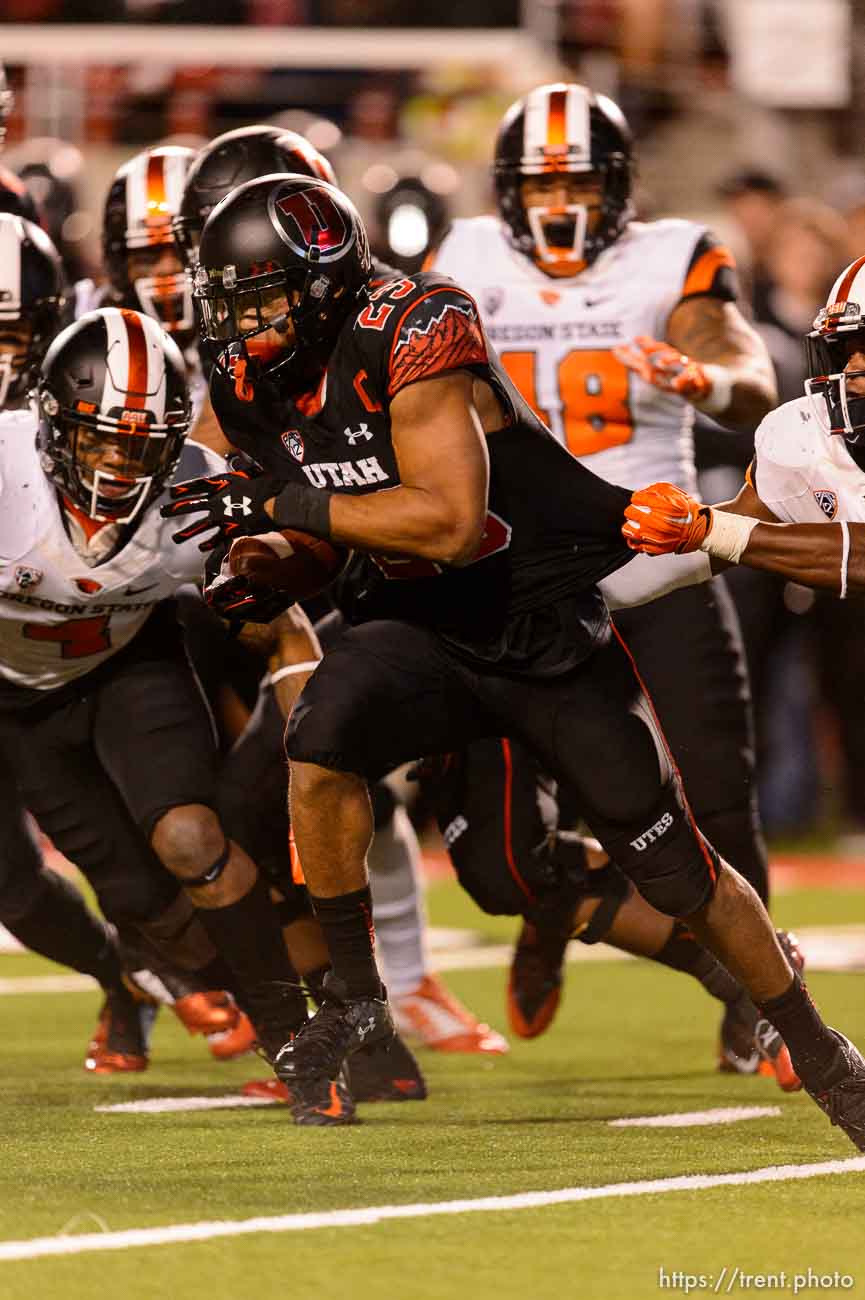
{"x":244,"y":506}
{"x":363,"y":1030}
{"x":354,"y":436}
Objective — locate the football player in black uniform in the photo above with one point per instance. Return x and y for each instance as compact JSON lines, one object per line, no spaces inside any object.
{"x":422,"y":1005}
{"x":383,"y":421}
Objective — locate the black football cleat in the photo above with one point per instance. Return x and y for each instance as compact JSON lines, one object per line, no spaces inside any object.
{"x":844,"y":1100}
{"x":535,"y":981}
{"x":310,"y":1064}
{"x":386,"y":1072}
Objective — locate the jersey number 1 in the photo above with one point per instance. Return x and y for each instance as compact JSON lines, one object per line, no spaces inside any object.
{"x":592,"y":412}
{"x":77,"y":637}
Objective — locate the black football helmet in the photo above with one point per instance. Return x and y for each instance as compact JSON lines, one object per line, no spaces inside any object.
{"x":113,"y":412}
{"x":838,"y":325}
{"x":282,"y":254}
{"x":231,"y":160}
{"x":563,"y":127}
{"x":142,"y":202}
{"x":32,"y":303}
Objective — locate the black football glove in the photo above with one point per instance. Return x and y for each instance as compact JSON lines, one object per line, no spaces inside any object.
{"x":232,"y":503}
{"x":232,"y":597}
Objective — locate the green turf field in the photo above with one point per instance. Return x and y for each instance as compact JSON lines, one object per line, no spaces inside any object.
{"x":630,"y":1040}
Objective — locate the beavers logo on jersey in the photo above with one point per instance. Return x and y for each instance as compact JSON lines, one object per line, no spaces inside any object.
{"x":88,"y":585}
{"x":292,"y":442}
{"x":26,"y":576}
{"x":493,"y":300}
{"x":827,"y":501}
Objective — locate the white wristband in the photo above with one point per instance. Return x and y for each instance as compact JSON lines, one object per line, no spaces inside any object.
{"x":291,"y":669}
{"x":720,"y":394}
{"x":845,"y":557}
{"x":728,"y":536}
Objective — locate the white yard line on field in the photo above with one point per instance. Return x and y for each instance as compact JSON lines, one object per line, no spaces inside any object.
{"x":171,"y":1234}
{"x":166,"y":1105}
{"x":693,"y":1118}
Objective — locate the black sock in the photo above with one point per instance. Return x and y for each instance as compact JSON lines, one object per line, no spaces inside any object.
{"x":812,"y":1046}
{"x":347,"y":924}
{"x":682,"y":952}
{"x":60,"y":926}
{"x":248,"y":936}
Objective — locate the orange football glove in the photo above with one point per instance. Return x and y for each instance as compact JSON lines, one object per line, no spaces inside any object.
{"x":664,"y":520}
{"x":663,"y":366}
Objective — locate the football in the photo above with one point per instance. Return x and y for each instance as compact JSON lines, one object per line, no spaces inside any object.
{"x":288,"y":560}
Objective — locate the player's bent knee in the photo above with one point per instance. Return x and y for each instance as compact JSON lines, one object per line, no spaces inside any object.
{"x":188,"y":839}
{"x":674,"y":867}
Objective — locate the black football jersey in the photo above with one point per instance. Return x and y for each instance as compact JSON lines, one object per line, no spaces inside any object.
{"x":529,"y":600}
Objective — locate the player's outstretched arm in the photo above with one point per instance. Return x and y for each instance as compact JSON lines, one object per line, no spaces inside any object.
{"x":712,"y":358}
{"x":662,"y":519}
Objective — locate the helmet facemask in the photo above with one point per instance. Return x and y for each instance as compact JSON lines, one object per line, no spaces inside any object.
{"x":828,"y":349}
{"x":236,"y":313}
{"x":166,"y":296}
{"x":137,"y":456}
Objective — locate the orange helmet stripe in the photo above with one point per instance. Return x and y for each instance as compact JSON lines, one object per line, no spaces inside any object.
{"x":556,"y":133}
{"x":137,"y":376}
{"x":157,"y":206}
{"x":846,"y":284}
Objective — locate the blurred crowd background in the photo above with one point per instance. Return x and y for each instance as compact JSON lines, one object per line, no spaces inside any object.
{"x":748,"y":114}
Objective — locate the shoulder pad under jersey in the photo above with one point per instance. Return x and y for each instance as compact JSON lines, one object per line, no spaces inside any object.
{"x":416,"y":328}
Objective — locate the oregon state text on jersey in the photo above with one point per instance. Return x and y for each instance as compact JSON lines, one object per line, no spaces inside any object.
{"x":801,"y":471}
{"x":553,"y":528}
{"x":555,"y":336}
{"x":59,"y":617}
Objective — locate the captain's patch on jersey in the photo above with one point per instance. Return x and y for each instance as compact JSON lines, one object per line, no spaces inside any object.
{"x":439,"y":332}
{"x":827,"y":501}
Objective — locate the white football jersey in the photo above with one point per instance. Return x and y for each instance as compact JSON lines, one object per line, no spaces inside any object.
{"x":555,"y":338}
{"x":59,"y":617}
{"x":804,"y":473}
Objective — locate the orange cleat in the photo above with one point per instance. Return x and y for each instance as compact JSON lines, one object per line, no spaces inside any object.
{"x":535,"y":980}
{"x":431,"y":1016}
{"x":119,"y":1042}
{"x":237,"y":1040}
{"x":207,"y":1012}
{"x":272,"y":1089}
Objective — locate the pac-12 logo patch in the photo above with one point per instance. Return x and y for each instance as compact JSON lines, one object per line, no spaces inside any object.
{"x":293,"y":442}
{"x":26,"y":576}
{"x":827,"y":501}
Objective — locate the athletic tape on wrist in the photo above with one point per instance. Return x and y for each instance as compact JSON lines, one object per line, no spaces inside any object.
{"x":845,"y":557}
{"x":720,"y":394}
{"x":728,"y":536}
{"x":308,"y":666}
